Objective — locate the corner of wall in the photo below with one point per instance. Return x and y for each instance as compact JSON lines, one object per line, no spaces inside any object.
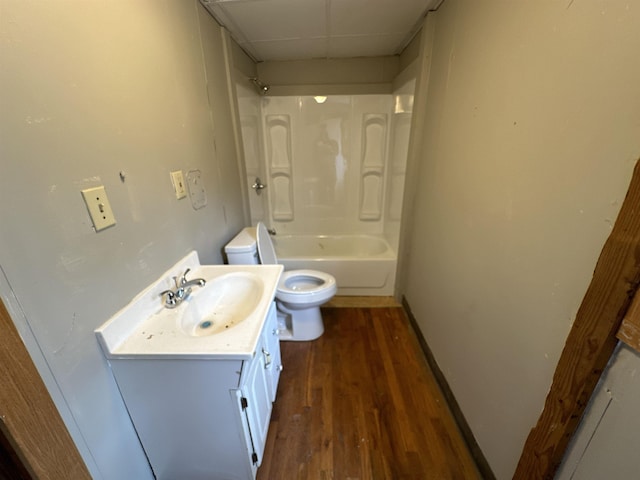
{"x":241,"y":60}
{"x":423,"y":69}
{"x":452,"y":403}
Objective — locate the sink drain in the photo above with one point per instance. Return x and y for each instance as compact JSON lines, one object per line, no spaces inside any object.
{"x":206,"y":324}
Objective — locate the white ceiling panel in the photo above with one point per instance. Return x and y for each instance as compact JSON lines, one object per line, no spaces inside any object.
{"x":278,"y":19}
{"x":304,"y":29}
{"x":350,"y":17}
{"x":364,"y":45}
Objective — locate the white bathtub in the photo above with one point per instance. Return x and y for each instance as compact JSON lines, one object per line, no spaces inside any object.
{"x":361,"y":264}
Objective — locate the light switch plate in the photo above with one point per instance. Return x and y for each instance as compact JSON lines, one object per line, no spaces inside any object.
{"x":99,"y":207}
{"x":178,"y":184}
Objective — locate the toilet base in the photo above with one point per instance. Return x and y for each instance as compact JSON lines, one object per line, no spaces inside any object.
{"x":299,"y":325}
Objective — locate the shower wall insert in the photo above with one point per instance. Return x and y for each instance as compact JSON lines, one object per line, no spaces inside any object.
{"x":278,"y":136}
{"x":331,"y":169}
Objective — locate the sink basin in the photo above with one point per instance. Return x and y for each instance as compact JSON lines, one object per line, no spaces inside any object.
{"x":222,"y":304}
{"x":221,"y":320}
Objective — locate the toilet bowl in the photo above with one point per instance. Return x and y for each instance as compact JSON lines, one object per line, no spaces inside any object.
{"x":299,"y":293}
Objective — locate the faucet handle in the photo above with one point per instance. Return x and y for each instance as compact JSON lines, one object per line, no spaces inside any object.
{"x":171,"y":299}
{"x":183,"y":279}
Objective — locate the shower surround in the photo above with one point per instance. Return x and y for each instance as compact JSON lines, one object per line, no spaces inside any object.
{"x":325,"y":162}
{"x":333,"y":167}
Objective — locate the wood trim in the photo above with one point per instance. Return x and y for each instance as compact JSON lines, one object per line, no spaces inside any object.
{"x":590,"y":343}
{"x":29,"y":420}
{"x":629,"y":332}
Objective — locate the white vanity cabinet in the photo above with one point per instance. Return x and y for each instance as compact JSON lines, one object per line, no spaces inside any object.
{"x":259,"y":381}
{"x":203,"y":418}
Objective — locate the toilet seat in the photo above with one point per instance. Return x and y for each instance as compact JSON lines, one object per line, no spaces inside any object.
{"x":299,"y":294}
{"x":305,"y":287}
{"x":296,"y":287}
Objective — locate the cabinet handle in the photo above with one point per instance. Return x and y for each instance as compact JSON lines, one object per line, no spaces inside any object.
{"x":280,"y":367}
{"x":267,"y":358}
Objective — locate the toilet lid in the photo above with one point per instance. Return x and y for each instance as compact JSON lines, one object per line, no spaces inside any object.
{"x":265,"y":246}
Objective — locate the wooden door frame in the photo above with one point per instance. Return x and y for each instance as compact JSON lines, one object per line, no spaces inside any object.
{"x":33,"y":432}
{"x":590,"y":342}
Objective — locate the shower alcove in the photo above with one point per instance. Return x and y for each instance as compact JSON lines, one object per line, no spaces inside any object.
{"x":334,"y":171}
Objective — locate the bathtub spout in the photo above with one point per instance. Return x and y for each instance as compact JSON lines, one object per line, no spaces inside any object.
{"x":272,"y":231}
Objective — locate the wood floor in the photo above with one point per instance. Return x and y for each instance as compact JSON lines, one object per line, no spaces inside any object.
{"x":361,"y":403}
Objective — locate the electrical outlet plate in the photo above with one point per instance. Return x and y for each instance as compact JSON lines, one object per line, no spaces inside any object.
{"x":178,"y":184}
{"x":99,"y":207}
{"x":196,"y":189}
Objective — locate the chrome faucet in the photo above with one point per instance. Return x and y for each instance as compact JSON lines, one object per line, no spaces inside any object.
{"x":173,"y":299}
{"x":182,"y":291}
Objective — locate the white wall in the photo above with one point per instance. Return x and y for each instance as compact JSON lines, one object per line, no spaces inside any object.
{"x":88,"y":90}
{"x":532,"y":130}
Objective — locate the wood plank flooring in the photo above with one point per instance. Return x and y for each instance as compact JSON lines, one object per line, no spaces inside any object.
{"x":361,"y":403}
{"x":366,"y":302}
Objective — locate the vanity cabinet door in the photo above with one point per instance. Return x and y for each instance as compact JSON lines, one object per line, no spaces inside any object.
{"x":256,"y":403}
{"x":271,"y":350}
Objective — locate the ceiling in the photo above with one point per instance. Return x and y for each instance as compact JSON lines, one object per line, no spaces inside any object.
{"x":304,"y":29}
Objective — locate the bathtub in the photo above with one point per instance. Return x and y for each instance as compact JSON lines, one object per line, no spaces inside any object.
{"x":361,"y":264}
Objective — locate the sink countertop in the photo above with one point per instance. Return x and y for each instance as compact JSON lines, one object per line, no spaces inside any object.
{"x":145,"y":329}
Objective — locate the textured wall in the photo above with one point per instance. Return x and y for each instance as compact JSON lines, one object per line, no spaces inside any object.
{"x":532,"y":121}
{"x":89,"y":90}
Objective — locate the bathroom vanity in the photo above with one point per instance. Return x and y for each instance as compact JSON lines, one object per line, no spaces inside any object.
{"x":201,"y":399}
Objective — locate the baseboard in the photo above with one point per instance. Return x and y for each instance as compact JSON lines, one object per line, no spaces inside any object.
{"x":465,"y":430}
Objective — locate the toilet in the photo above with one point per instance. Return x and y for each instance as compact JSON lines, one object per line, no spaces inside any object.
{"x":299,"y":293}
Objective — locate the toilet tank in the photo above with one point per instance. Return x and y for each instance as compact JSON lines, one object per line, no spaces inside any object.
{"x":242,"y":249}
